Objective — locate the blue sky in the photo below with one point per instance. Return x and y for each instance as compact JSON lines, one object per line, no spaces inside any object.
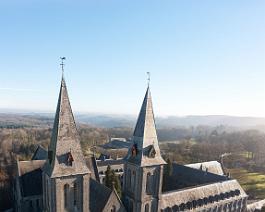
{"x":205,"y":57}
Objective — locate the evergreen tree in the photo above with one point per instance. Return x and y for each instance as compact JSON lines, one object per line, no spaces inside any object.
{"x":108,"y":177}
{"x":168,"y":168}
{"x":112,"y":181}
{"x":116,"y":183}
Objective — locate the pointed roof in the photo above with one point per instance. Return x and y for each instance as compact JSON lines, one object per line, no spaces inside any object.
{"x":65,"y":141}
{"x":40,"y":153}
{"x":145,"y":150}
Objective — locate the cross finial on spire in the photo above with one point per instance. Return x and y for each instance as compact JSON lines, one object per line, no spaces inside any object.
{"x":148,"y":79}
{"x":62,"y":64}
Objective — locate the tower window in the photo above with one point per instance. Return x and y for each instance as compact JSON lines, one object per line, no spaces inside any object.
{"x":113,"y":209}
{"x":149,"y":182}
{"x":66,"y":195}
{"x":70,"y":159}
{"x":146,"y":208}
{"x":75,"y":194}
{"x":129,"y":178}
{"x":133,"y":180}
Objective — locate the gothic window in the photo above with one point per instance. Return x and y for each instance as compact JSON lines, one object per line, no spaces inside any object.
{"x":133,"y":180}
{"x":75,"y":194}
{"x":146,"y":208}
{"x":175,"y":208}
{"x":189,"y":205}
{"x":70,"y":159}
{"x":31,"y":204}
{"x":194,"y":203}
{"x":200,"y":202}
{"x":149,"y":182}
{"x":235,"y":205}
{"x":151,"y":152}
{"x":134,"y":150}
{"x":66,"y":195}
{"x":48,"y":192}
{"x":113,"y":209}
{"x":182,"y":207}
{"x":237,"y":192}
{"x":153,"y":206}
{"x":131,"y":205}
{"x":129,"y":178}
{"x":205,"y":200}
{"x":211,"y":199}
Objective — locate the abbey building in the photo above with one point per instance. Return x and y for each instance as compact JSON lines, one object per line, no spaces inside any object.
{"x":62,"y":179}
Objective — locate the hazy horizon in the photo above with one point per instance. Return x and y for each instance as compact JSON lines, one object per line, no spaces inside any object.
{"x":50,"y":112}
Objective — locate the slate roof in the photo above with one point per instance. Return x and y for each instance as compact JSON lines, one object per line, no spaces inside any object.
{"x":184,"y":177}
{"x":178,"y":197}
{"x":65,"y":141}
{"x":92,"y":165}
{"x":40,"y":154}
{"x":110,"y":162}
{"x":30,"y":177}
{"x":145,"y":136}
{"x":103,"y":157}
{"x":211,"y":166}
{"x":99,"y":196}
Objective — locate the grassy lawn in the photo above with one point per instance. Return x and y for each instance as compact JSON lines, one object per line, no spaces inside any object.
{"x":253,"y":183}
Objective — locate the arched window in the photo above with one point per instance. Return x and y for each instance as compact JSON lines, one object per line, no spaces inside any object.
{"x":175,"y":208}
{"x":149,"y":182}
{"x":133,"y":180}
{"x":194,"y":203}
{"x":182,"y":207}
{"x":211,"y":199}
{"x":31,"y":204}
{"x":75,"y":194}
{"x":200,"y":202}
{"x":48,"y":191}
{"x":113,"y":209}
{"x":129,"y":178}
{"x":146,"y":208}
{"x":130,"y":205}
{"x":66,"y":195}
{"x":153,"y":206}
{"x":189,"y":205}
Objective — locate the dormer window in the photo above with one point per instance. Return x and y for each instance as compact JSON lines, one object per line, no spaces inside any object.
{"x":70,"y":159}
{"x":134,"y":150}
{"x":151,"y":152}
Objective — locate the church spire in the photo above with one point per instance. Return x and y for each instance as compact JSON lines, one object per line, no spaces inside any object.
{"x":145,"y":150}
{"x":65,"y":156}
{"x":62,"y":65}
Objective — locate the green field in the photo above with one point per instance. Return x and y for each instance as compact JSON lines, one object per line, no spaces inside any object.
{"x":252,"y":182}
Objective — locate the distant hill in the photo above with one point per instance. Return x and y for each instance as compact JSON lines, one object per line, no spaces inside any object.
{"x":211,"y":120}
{"x":16,"y":120}
{"x":110,"y":121}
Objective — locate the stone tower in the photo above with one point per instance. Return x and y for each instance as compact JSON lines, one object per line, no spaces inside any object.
{"x":66,"y":175}
{"x":143,"y":170}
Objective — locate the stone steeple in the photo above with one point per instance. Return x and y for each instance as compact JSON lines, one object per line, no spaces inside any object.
{"x":145,"y":150}
{"x":65,"y":156}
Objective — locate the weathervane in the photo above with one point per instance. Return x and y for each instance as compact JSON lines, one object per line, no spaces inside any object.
{"x":62,"y":64}
{"x":148,"y":79}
